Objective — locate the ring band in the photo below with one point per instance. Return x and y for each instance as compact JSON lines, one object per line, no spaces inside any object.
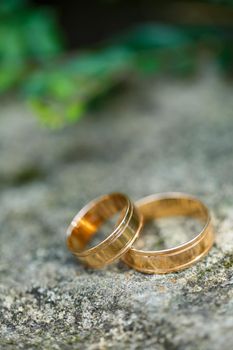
{"x":91,"y":217}
{"x":182,"y":256}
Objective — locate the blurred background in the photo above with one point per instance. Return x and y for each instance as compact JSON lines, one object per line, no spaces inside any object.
{"x":113,"y":95}
{"x":67,"y":59}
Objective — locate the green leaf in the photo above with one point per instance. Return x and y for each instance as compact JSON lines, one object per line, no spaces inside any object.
{"x":65,"y":90}
{"x":56,"y":115}
{"x":9,"y":6}
{"x":152,"y":36}
{"x":27,"y":37}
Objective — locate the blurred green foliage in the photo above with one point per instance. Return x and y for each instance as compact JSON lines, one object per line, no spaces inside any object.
{"x":63,"y":92}
{"x":61,"y":89}
{"x":27,"y":37}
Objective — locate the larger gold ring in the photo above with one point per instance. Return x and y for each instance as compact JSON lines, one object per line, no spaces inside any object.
{"x":182,"y":256}
{"x":91,"y":217}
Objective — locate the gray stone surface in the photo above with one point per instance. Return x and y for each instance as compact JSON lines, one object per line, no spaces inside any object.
{"x":162,"y":136}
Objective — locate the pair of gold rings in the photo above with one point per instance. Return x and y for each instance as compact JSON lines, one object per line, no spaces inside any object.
{"x":119,"y":244}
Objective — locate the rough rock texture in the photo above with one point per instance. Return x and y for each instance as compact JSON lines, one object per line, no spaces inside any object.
{"x":163,"y":135}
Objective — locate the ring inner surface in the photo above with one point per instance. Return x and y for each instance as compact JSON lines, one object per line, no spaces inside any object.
{"x":85,"y":226}
{"x":185,"y":217}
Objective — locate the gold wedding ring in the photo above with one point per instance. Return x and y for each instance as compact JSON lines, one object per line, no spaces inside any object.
{"x":182,"y":256}
{"x":87,"y":222}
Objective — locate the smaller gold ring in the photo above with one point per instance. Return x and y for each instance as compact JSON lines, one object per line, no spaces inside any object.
{"x":91,"y":217}
{"x":182,"y":256}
